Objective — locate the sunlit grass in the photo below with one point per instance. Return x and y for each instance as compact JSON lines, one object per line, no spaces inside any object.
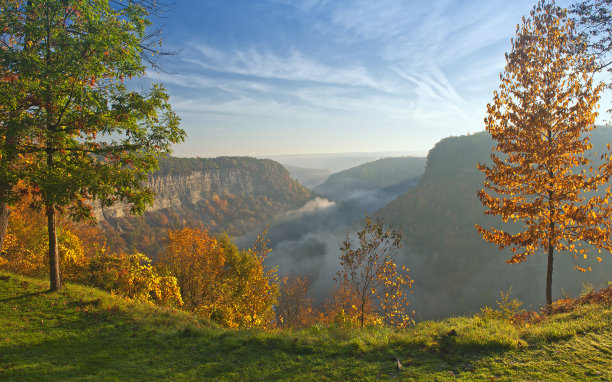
{"x":84,"y":334}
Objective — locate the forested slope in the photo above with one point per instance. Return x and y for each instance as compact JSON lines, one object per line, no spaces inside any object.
{"x":379,"y":174}
{"x":231,"y":194}
{"x":455,"y":271}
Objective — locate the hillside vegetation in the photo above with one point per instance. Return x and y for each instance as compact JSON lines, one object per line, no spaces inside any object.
{"x":84,"y":334}
{"x":449,"y":261}
{"x":379,"y":174}
{"x":230,"y":194}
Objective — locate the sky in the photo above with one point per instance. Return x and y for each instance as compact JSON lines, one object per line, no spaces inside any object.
{"x":278,"y":77}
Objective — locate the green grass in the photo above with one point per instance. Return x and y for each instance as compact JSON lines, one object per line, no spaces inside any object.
{"x":83,"y":334}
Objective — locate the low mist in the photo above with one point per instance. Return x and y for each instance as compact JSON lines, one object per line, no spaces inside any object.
{"x":307,"y":240}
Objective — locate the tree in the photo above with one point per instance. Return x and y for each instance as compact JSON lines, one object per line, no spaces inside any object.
{"x":594,"y":18}
{"x":366,"y":269}
{"x":250,"y":288}
{"x":75,"y":132}
{"x":219,"y":281}
{"x":197,"y":260}
{"x":540,"y":119}
{"x":294,"y":308}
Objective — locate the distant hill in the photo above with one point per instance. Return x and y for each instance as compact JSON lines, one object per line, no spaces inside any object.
{"x":308,"y":241}
{"x":380,"y":174}
{"x":232,"y":194}
{"x":309,"y":177}
{"x":337,"y":162}
{"x":456,"y":271}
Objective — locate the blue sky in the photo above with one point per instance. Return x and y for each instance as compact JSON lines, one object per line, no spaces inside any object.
{"x":327,"y":76}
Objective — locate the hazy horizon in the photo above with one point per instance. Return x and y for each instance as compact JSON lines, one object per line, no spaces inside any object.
{"x":275,"y":77}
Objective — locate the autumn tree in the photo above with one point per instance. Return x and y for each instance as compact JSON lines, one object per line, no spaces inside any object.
{"x":294,"y":308}
{"x":219,"y":281}
{"x":197,"y":260}
{"x":366,"y":269}
{"x":251,"y":288}
{"x":72,"y":130}
{"x":541,"y":172}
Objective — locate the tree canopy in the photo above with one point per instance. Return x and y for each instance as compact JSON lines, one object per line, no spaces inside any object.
{"x":75,"y":131}
{"x":540,"y":118}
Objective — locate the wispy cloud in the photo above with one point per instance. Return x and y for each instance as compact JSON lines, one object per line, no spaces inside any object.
{"x":399,"y":65}
{"x":292,"y":66}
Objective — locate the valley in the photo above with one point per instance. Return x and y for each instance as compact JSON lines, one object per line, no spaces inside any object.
{"x":305,"y":190}
{"x":433,"y":199}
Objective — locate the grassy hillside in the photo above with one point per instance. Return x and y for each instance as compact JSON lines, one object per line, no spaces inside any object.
{"x":84,"y":334}
{"x":378,"y":174}
{"x":449,"y":261}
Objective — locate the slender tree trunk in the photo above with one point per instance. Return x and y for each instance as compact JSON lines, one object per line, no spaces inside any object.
{"x":54,"y":266}
{"x":4,"y":217}
{"x":549,"y":271}
{"x":549,"y":267}
{"x":551,"y":233}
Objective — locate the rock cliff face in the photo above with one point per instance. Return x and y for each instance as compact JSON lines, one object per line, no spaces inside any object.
{"x":175,"y":191}
{"x":232,"y":194}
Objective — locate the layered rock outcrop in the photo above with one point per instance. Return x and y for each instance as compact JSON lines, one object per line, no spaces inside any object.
{"x":232,"y":194}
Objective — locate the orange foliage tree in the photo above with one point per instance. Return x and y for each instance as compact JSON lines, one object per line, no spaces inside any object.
{"x":540,"y":118}
{"x":25,"y":245}
{"x":343,"y":307}
{"x":196,"y":260}
{"x":369,"y":274}
{"x":221,"y":282}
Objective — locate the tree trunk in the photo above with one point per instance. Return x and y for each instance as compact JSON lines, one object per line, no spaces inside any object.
{"x":4,"y":217}
{"x":54,"y":267}
{"x":362,"y":312}
{"x":549,"y":271}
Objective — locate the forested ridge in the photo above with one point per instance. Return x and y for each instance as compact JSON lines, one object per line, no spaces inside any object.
{"x":452,"y":263}
{"x":226,"y":194}
{"x":378,"y":174}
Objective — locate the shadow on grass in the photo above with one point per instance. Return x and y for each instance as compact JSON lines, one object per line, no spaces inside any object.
{"x":24,"y":296}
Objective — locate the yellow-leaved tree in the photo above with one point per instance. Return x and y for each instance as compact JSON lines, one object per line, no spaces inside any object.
{"x":196,"y":259}
{"x":250,"y":288}
{"x":219,"y":281}
{"x":542,"y":173}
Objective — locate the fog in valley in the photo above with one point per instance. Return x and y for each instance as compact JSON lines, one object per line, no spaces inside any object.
{"x":459,"y":277}
{"x":307,"y":240}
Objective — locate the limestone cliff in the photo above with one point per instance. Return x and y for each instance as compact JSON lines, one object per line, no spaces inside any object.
{"x":232,"y":194}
